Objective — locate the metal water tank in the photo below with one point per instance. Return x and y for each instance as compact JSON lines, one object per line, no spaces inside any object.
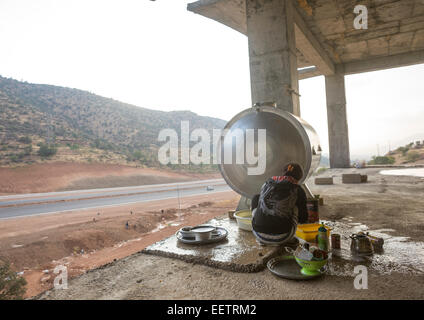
{"x":288,"y":139}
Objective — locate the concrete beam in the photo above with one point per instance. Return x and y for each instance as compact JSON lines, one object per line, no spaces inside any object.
{"x":338,"y":135}
{"x":310,"y":47}
{"x":309,"y":72}
{"x":231,"y":13}
{"x":381,"y":63}
{"x":272,"y":53}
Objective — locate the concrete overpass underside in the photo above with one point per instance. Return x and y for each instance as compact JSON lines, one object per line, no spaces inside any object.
{"x":290,"y":40}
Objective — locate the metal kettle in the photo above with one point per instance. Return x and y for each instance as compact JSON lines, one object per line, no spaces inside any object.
{"x":361,"y":245}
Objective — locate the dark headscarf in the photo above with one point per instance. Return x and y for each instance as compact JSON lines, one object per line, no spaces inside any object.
{"x":293,"y":170}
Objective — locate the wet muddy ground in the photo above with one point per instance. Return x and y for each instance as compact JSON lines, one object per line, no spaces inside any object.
{"x":391,"y":207}
{"x":238,"y":252}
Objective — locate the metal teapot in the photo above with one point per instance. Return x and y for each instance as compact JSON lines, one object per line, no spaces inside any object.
{"x":361,"y":245}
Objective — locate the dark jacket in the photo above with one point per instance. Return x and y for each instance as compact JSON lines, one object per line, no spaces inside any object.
{"x":274,"y":224}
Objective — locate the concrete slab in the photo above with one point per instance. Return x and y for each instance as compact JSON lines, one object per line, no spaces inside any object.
{"x":240,"y":252}
{"x":330,"y":22}
{"x":351,"y":178}
{"x":387,"y":207}
{"x":324,"y":180}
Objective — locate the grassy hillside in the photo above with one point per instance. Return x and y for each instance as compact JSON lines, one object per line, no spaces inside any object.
{"x":412,"y":153}
{"x":81,"y":126}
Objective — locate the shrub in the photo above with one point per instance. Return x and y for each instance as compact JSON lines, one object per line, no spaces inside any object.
{"x":382,"y":160}
{"x":16,"y":157}
{"x":74,"y":147}
{"x":12,"y":286}
{"x":137,"y":155}
{"x":26,"y":140}
{"x":28,"y":150}
{"x":102,"y":144}
{"x":320,"y":170}
{"x":412,"y":156}
{"x":404,"y":150}
{"x":46,"y":151}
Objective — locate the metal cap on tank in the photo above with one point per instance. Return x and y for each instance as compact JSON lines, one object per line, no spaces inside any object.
{"x":288,"y":139}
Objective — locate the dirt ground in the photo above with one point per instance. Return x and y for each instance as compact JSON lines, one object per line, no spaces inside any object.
{"x":83,"y":240}
{"x":149,"y":277}
{"x":390,"y":203}
{"x":58,"y":176}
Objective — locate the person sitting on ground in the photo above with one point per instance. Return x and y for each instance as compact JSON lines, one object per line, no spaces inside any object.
{"x":279,"y":207}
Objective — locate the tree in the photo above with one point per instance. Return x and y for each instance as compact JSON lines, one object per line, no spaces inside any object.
{"x":12,"y":286}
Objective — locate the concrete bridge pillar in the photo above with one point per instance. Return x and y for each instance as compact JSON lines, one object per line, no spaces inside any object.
{"x":338,"y":135}
{"x":272,"y":53}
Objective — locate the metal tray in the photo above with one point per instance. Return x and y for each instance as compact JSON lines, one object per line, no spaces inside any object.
{"x":287,"y":267}
{"x":219,"y":235}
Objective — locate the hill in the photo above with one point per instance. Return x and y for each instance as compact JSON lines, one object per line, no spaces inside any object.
{"x":412,"y":153}
{"x":74,"y":125}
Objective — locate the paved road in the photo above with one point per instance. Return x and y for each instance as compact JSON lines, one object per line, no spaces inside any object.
{"x":42,"y":203}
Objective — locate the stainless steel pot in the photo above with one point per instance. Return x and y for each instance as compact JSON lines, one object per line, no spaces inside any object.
{"x":288,"y":139}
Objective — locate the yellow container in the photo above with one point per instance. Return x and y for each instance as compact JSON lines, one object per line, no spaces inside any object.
{"x":244,"y":219}
{"x":309,"y":231}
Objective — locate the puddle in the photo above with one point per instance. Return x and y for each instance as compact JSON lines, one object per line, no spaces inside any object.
{"x":158,"y":228}
{"x":399,"y":253}
{"x":414,"y":172}
{"x":239,"y":248}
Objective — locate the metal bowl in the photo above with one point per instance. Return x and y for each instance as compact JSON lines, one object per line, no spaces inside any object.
{"x":288,"y":139}
{"x":186,"y":232}
{"x":202,"y":233}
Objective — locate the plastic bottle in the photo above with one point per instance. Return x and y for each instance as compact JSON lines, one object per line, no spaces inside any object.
{"x":322,"y":238}
{"x":304,"y":254}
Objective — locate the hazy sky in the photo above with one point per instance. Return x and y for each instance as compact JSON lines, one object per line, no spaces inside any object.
{"x":157,"y":55}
